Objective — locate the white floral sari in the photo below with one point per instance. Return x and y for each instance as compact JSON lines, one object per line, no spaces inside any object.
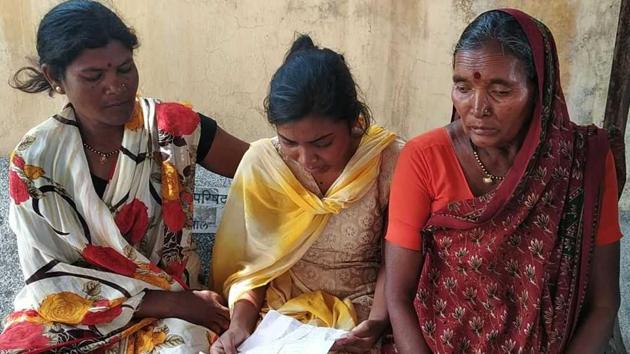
{"x":87,"y":260}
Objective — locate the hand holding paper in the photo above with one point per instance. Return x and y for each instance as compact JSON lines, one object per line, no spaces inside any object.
{"x":279,"y":334}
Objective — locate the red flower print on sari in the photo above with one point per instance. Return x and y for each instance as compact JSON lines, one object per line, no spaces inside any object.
{"x":176,"y":119}
{"x":132,"y":221}
{"x":176,"y":268}
{"x":29,"y":315}
{"x":108,"y":258}
{"x":174,"y":216}
{"x":17,"y":161}
{"x":24,"y":335}
{"x":18,"y":190}
{"x":20,"y":315}
{"x":152,"y":267}
{"x":98,"y":317}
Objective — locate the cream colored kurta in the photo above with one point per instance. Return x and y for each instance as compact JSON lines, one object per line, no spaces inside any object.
{"x":319,"y":254}
{"x":344,"y":261}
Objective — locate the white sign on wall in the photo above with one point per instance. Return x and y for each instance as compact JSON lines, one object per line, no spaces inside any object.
{"x":209,"y":204}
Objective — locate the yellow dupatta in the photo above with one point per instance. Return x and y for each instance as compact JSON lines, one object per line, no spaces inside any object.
{"x":271,"y":220}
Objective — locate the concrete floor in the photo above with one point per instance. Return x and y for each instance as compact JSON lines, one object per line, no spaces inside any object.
{"x":11,"y":277}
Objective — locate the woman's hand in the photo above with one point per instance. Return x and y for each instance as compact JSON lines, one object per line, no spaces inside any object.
{"x":201,"y":307}
{"x":244,"y":319}
{"x":402,"y":269}
{"x":205,"y":308}
{"x":602,"y":303}
{"x":362,"y":338}
{"x":230,"y":340}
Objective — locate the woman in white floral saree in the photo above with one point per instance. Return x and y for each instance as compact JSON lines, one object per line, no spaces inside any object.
{"x":101,"y":201}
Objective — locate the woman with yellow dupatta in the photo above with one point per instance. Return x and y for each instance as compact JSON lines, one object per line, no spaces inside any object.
{"x":302,"y":229}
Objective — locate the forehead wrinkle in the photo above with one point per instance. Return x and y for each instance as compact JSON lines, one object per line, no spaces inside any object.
{"x":490,"y":66}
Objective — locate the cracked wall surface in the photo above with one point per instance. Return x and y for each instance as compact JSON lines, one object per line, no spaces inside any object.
{"x":220,"y":55}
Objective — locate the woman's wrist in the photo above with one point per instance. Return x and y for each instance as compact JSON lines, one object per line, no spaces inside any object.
{"x":379,"y":325}
{"x":162,"y":304}
{"x":152,"y":305}
{"x":243,"y":322}
{"x":244,"y":316}
{"x":380,"y":318}
{"x":240,"y":327}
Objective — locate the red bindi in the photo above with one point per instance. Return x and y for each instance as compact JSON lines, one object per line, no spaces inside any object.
{"x":477,"y":75}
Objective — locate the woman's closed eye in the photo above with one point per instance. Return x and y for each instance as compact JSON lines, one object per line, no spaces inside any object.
{"x":462,"y":88}
{"x":287,"y":143}
{"x":501,"y":93}
{"x":93,"y":78}
{"x":322,"y":143}
{"x":125,"y":68}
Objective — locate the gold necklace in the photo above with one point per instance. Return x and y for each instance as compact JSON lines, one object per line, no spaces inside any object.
{"x":103,"y":156}
{"x":488,"y":177}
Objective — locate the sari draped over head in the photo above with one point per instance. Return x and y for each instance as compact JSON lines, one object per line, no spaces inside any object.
{"x":271,"y":220}
{"x":87,"y":260}
{"x":507,"y":271}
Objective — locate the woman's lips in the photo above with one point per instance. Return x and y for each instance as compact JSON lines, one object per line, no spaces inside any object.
{"x":119,"y":104}
{"x":312,"y":169}
{"x":483,"y":131}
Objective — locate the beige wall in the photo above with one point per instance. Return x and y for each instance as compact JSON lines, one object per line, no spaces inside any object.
{"x":220,"y":54}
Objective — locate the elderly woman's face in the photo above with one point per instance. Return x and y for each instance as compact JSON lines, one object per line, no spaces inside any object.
{"x":492,"y":95}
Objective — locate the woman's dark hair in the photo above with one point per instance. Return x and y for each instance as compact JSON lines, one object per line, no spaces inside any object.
{"x":64,"y":32}
{"x":499,"y":26}
{"x":317,"y":81}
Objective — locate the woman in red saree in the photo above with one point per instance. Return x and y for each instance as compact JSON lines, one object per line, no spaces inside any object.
{"x":507,"y":217}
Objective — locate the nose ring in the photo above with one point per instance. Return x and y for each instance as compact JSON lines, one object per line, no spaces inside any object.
{"x":486,"y":111}
{"x":123,"y":85}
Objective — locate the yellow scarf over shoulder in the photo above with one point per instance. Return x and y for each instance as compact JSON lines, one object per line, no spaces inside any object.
{"x":270,"y":221}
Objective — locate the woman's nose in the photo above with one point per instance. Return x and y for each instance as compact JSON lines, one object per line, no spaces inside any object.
{"x":114,"y":85}
{"x":481,"y":106}
{"x":306,"y":157}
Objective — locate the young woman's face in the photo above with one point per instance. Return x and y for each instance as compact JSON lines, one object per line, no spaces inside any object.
{"x":101,"y":84}
{"x":319,"y":144}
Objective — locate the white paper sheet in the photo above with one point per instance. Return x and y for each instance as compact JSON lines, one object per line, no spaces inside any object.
{"x":279,"y":334}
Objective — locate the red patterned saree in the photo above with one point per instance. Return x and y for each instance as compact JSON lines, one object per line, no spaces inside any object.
{"x":507,"y":272}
